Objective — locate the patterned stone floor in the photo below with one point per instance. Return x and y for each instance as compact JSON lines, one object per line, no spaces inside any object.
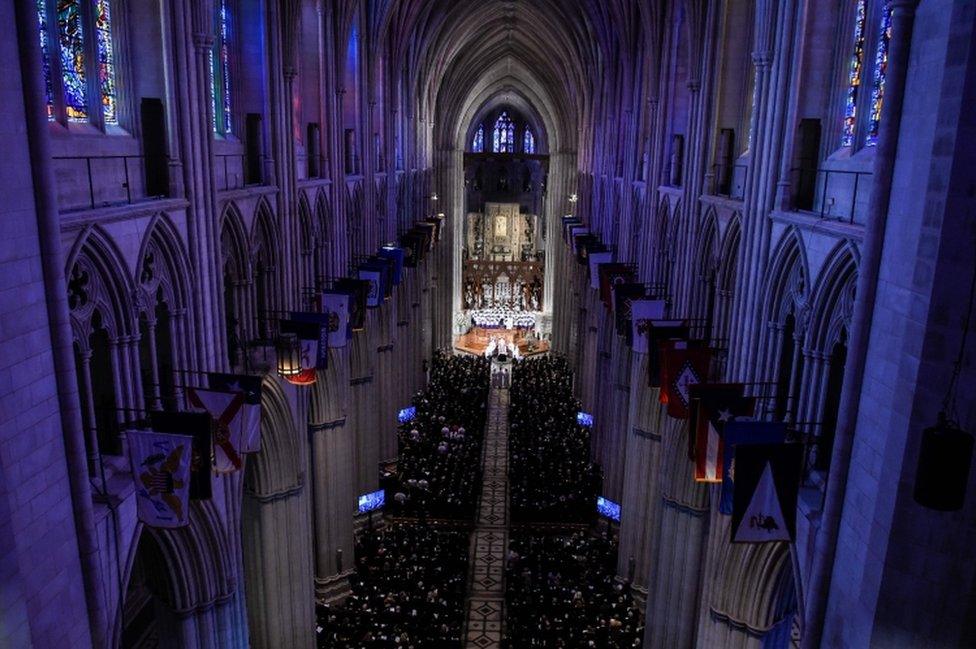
{"x":486,"y":588}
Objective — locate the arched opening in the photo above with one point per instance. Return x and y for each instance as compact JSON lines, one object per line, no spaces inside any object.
{"x":831,"y":405}
{"x":265,"y":262}
{"x":784,"y":373}
{"x":103,"y":388}
{"x":144,"y":602}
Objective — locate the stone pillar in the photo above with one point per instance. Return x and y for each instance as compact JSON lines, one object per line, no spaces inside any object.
{"x":674,"y":583}
{"x":640,"y":514}
{"x":333,"y":474}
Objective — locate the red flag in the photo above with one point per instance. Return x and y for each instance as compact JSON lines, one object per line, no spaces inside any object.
{"x":685,"y":363}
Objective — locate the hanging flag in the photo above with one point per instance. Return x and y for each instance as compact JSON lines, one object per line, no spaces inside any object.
{"x":397,"y":255}
{"x":429,"y":231}
{"x":623,"y":297}
{"x":642,"y":312}
{"x":684,"y":363}
{"x":250,"y":387}
{"x":373,"y":275}
{"x":569,"y":224}
{"x":716,"y":405}
{"x":385,"y":267}
{"x":597,"y":258}
{"x":227,"y":410}
{"x":740,"y":433}
{"x":580,"y":243}
{"x":577,"y":231}
{"x":659,"y":331}
{"x":411,"y":242}
{"x":198,"y":425}
{"x":357,"y":290}
{"x":767,"y":484}
{"x":610,"y":276}
{"x":312,"y":330}
{"x":438,"y":223}
{"x":335,"y":305}
{"x":161,"y":469}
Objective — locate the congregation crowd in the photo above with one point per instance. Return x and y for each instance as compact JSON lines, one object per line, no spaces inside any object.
{"x":407,"y":591}
{"x":409,"y":585}
{"x":551,"y":478}
{"x":439,"y":465}
{"x":561,"y":592}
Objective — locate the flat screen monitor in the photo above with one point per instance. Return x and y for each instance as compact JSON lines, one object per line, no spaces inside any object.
{"x":584,"y":419}
{"x":608,"y":508}
{"x":369,"y":502}
{"x":407,"y":414}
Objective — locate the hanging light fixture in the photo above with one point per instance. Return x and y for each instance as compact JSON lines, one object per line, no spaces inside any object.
{"x":289,"y":356}
{"x":943,"y":466}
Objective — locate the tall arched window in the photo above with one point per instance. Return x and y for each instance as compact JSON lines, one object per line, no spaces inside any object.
{"x":503,"y":136}
{"x":528,"y":141}
{"x":880,"y":72}
{"x":478,"y":143}
{"x":64,"y":26}
{"x":220,"y":71}
{"x":855,"y":74}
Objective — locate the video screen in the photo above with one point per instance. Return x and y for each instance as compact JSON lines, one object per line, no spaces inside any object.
{"x":406,"y":414}
{"x":371,"y":501}
{"x":608,"y":508}
{"x":584,"y":419}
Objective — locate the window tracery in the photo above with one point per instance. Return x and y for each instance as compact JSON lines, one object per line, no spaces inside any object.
{"x":503,"y":136}
{"x":63,"y":27}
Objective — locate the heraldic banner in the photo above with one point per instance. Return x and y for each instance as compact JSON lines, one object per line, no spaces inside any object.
{"x":161,"y":470}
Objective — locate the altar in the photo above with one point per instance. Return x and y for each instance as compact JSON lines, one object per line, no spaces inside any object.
{"x":477,"y":340}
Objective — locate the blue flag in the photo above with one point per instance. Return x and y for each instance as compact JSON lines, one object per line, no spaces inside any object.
{"x":742,"y":432}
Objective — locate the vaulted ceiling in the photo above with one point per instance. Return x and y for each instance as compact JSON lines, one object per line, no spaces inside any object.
{"x":553,"y":56}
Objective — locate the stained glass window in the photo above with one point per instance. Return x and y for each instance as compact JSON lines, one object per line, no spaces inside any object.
{"x":106,"y":61}
{"x":67,"y":68}
{"x":220,"y":72}
{"x":880,"y":71}
{"x":45,"y":57}
{"x":72,"y":47}
{"x":503,"y":136}
{"x":478,"y":143}
{"x":528,"y":141}
{"x":855,"y":74}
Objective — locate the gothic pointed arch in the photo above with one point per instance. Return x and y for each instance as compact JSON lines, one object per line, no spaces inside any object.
{"x":308,"y":245}
{"x":237,"y":300}
{"x":266,"y":264}
{"x":105,"y":332}
{"x":833,"y":298}
{"x":188,"y":572}
{"x":98,"y":282}
{"x":163,"y":276}
{"x":786,"y":315}
{"x":754,"y":595}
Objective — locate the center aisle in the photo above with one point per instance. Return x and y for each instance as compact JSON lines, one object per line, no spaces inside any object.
{"x":485,"y":617}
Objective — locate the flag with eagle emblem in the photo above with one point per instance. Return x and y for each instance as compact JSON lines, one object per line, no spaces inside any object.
{"x":161,"y":469}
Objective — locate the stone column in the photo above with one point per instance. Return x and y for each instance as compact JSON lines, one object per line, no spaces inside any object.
{"x":641,"y":503}
{"x":333,"y":475}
